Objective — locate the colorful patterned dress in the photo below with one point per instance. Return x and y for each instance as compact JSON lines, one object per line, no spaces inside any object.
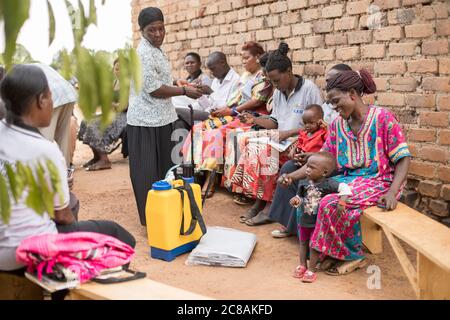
{"x":367,"y":163}
{"x":210,"y":135}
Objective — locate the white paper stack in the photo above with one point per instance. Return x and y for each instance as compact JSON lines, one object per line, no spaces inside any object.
{"x":223,"y":247}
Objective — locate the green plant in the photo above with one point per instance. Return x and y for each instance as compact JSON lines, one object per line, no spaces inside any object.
{"x":95,"y":80}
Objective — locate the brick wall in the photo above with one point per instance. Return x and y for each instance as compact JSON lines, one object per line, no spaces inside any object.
{"x":404,"y":43}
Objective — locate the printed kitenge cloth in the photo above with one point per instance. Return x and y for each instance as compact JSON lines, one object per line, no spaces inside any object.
{"x":84,"y":254}
{"x":210,"y":135}
{"x":366,"y":162}
{"x":256,"y":172}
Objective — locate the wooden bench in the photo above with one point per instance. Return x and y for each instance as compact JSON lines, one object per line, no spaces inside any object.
{"x":431,"y":239}
{"x":143,"y":289}
{"x":17,"y":287}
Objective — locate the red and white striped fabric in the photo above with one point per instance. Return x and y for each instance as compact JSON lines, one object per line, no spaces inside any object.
{"x":84,"y":253}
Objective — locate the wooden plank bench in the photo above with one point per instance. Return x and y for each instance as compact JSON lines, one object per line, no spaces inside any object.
{"x":431,"y":239}
{"x":143,"y":289}
{"x":17,"y":287}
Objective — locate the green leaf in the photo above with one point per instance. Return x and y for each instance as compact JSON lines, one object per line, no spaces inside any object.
{"x":5,"y":203}
{"x":92,"y":12}
{"x":33,"y":199}
{"x":55,"y":179}
{"x":136,"y":69}
{"x":124,"y":80}
{"x":51,"y":22}
{"x":46,"y":193}
{"x":14,"y":13}
{"x":16,"y":182}
{"x":105,"y":81}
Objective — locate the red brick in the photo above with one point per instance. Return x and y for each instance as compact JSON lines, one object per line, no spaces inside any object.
{"x":444,"y":66}
{"x":295,"y":43}
{"x":373,"y":51}
{"x":291,"y":17}
{"x":278,"y":7}
{"x":440,"y":208}
{"x":348,"y":23}
{"x":273,"y":21}
{"x":391,"y":99}
{"x":314,"y":70}
{"x":443,"y":28}
{"x":422,"y":135}
{"x":444,"y":137}
{"x":255,"y":24}
{"x":262,"y":10}
{"x":356,"y":37}
{"x":434,"y":119}
{"x":403,"y":84}
{"x":388,"y":33}
{"x":297,"y":4}
{"x":419,"y":30}
{"x":413,"y":2}
{"x":323,"y":26}
{"x":313,"y":3}
{"x":262,"y":35}
{"x":358,"y":7}
{"x":444,"y":173}
{"x":302,"y":56}
{"x":349,"y":53}
{"x":333,"y":11}
{"x":430,"y":188}
{"x":225,"y":6}
{"x":282,"y":32}
{"x":244,"y":14}
{"x":423,"y":66}
{"x":435,"y":47}
{"x":445,"y":192}
{"x":335,"y":39}
{"x":301,"y":28}
{"x":387,"y":4}
{"x":381,"y":83}
{"x":390,"y":67}
{"x":313,"y":41}
{"x":402,"y":49}
{"x":421,"y":100}
{"x":401,"y":16}
{"x":237,"y":4}
{"x":323,"y":54}
{"x":436,"y":84}
{"x":240,"y":27}
{"x":422,"y":169}
{"x":309,"y":15}
{"x":232,"y":16}
{"x":224,"y":29}
{"x":434,"y":154}
{"x":443,"y":102}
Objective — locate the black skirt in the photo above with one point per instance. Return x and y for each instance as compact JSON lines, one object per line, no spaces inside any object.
{"x":150,"y":156}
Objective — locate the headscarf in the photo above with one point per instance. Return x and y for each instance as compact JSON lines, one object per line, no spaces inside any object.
{"x":149,"y":15}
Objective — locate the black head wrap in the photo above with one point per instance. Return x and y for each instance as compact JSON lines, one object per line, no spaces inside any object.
{"x":149,"y":15}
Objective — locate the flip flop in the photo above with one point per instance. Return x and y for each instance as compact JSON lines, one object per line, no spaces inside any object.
{"x":242,"y":200}
{"x":250,"y":214}
{"x":98,"y":167}
{"x":89,"y":163}
{"x":327,"y":263}
{"x":258,"y":220}
{"x":346,"y":267}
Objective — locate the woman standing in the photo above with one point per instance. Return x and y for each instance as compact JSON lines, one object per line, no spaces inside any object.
{"x":151,"y":114}
{"x":372,"y":157}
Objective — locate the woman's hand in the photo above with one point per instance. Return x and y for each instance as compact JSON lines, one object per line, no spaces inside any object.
{"x":222,"y":112}
{"x":193,"y":92}
{"x":283,"y":135}
{"x":247,"y":118}
{"x":302,"y":157}
{"x":322,"y":124}
{"x":285,"y":180}
{"x":182,"y":83}
{"x":388,"y":201}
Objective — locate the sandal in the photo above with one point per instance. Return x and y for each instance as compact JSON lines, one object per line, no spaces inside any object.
{"x":258,"y":220}
{"x":250,"y":214}
{"x":346,"y":267}
{"x":299,"y":272}
{"x":89,"y":163}
{"x":327,"y":264}
{"x":309,"y":276}
{"x":280,"y":233}
{"x":97,"y":167}
{"x":242,"y":200}
{"x":208,"y":195}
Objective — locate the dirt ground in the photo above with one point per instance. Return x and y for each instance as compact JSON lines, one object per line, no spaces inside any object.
{"x":108,"y":195}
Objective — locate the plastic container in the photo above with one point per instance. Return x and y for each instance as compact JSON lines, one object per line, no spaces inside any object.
{"x":163,"y":214}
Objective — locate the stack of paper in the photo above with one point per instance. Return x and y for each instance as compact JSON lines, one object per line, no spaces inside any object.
{"x":223,"y":247}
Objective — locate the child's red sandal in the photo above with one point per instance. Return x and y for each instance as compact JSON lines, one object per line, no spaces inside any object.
{"x":299,"y":272}
{"x":309,"y":276}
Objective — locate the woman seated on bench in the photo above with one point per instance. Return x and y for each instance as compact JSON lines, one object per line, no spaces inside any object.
{"x":372,"y":157}
{"x":29,"y":105}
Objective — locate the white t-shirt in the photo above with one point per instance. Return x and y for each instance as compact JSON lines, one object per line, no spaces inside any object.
{"x":25,"y":144}
{"x":289,"y":111}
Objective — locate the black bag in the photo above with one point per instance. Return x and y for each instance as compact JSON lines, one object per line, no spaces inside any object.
{"x":196,"y":216}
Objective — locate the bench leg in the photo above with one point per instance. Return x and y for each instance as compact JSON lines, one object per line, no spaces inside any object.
{"x":407,"y":266}
{"x":371,"y":235}
{"x":434,"y":282}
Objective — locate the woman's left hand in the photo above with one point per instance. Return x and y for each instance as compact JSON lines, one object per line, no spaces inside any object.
{"x":222,"y":112}
{"x":388,"y":201}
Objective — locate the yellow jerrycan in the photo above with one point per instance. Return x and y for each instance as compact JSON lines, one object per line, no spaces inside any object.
{"x":174,"y":221}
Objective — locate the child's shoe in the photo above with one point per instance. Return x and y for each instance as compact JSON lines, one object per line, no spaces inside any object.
{"x":309,"y":276}
{"x":299,"y":272}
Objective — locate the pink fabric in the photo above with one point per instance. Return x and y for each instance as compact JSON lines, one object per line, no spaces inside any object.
{"x":85,"y":253}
